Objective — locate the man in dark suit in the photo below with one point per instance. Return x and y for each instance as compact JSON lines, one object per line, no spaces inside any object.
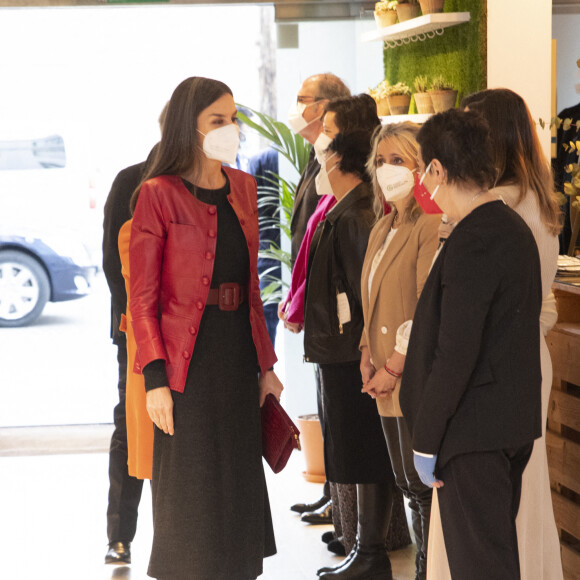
{"x":124,"y":490}
{"x":306,"y":120}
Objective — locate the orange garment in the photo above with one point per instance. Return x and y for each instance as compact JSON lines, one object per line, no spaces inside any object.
{"x":139,"y":425}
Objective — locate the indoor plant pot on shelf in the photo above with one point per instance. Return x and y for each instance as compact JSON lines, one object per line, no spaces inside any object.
{"x":431,"y":6}
{"x":442,"y":94}
{"x":422,"y":97}
{"x":379,"y":94}
{"x":399,"y":97}
{"x":386,"y":13}
{"x":407,"y":9}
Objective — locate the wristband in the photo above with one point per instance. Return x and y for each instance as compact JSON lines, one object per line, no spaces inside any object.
{"x":392,"y":372}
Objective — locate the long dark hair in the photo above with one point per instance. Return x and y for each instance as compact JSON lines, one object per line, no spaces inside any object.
{"x":516,"y":149}
{"x":178,"y":150}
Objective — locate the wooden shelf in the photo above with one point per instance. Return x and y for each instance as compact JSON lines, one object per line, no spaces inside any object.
{"x":387,"y":119}
{"x":416,"y":29}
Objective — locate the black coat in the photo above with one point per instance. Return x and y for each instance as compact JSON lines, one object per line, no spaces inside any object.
{"x":335,"y":261}
{"x":472,"y":379}
{"x":116,"y":213}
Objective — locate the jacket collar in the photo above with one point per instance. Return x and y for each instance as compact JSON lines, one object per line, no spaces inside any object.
{"x":361,"y":191}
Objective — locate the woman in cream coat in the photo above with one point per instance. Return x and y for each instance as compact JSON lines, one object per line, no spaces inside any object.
{"x":525,"y":184}
{"x":400,"y":251}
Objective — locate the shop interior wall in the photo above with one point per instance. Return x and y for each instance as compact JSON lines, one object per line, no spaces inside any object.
{"x":565,"y":29}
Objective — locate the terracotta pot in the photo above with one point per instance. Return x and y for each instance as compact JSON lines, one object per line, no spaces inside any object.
{"x":430,"y":6}
{"x":443,"y":100}
{"x":407,"y":11}
{"x":383,"y":107}
{"x":384,"y":19}
{"x":424,"y":103}
{"x":311,"y":443}
{"x":399,"y":104}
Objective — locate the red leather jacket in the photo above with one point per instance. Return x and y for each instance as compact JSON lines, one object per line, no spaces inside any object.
{"x":172,"y":251}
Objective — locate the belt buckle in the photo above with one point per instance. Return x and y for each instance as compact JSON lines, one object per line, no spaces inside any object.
{"x":229,"y":296}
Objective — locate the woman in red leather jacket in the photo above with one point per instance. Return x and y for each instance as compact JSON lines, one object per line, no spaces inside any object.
{"x":202,"y":343}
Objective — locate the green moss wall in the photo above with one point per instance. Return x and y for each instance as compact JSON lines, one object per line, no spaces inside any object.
{"x":460,"y":54}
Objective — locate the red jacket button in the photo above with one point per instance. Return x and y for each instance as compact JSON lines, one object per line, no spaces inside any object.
{"x":199,"y":305}
{"x":209,"y":256}
{"x":211,"y":233}
{"x":192,"y":330}
{"x":205,"y":281}
{"x":185,"y":354}
{"x":211,"y":210}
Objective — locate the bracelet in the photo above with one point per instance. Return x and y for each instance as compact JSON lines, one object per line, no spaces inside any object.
{"x":392,"y":372}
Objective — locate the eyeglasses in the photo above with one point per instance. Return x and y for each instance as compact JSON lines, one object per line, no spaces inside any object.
{"x":307,"y":99}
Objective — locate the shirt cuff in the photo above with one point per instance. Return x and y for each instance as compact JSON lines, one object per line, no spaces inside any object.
{"x":155,"y":375}
{"x":403,"y":335}
{"x":430,"y":455}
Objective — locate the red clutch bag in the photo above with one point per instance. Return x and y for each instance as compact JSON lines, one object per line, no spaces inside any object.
{"x":279,"y":434}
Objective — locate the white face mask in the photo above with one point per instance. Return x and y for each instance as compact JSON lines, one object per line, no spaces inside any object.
{"x":296,"y":118}
{"x":322,"y":182}
{"x":320,"y":146}
{"x":396,"y":181}
{"x":222,"y":144}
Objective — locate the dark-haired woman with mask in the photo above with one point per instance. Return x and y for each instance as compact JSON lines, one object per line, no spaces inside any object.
{"x":471,"y":389}
{"x":399,"y":255}
{"x":354,"y":451}
{"x":202,"y":343}
{"x":524,"y":181}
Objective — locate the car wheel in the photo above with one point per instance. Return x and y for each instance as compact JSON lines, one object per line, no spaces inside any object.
{"x":24,"y":289}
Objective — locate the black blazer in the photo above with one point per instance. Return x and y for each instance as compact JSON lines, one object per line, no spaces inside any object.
{"x":472,"y":378}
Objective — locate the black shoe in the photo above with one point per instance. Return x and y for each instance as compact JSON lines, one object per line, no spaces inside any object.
{"x":326,"y":569}
{"x":327,"y":537}
{"x":322,"y":515}
{"x":372,"y":565}
{"x":336,"y":547}
{"x":301,"y":508}
{"x":119,"y":553}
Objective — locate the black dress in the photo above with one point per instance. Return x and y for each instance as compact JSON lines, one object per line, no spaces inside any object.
{"x":211,"y":510}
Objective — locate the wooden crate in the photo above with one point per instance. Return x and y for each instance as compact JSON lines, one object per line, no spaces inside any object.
{"x":563,"y":435}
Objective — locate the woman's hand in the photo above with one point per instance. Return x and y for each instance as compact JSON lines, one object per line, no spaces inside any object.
{"x":367,"y":369}
{"x":294,"y":327}
{"x":381,"y":385}
{"x":269,"y":384}
{"x":282,"y":310}
{"x":160,"y":408}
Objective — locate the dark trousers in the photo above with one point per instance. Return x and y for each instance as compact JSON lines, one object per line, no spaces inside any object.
{"x":124,"y":490}
{"x":479,"y":503}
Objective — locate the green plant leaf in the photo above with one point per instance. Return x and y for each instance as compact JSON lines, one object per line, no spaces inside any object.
{"x":566,"y":124}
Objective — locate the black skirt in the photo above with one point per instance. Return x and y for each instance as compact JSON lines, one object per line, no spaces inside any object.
{"x":211,"y":511}
{"x":354,"y":445}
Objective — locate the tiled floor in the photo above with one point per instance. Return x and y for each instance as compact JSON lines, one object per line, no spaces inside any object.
{"x":53,"y":524}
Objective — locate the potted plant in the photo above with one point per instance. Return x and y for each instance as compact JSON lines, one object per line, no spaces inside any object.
{"x":443,"y":94}
{"x":379,"y":94}
{"x":407,"y":9}
{"x":430,"y":6}
{"x":422,"y":97}
{"x":399,"y":97}
{"x":386,"y":13}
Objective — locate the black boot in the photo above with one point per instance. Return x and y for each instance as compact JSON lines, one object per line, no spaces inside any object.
{"x":370,"y":560}
{"x":301,"y":508}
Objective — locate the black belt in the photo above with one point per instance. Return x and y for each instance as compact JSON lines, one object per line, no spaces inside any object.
{"x":228,"y":296}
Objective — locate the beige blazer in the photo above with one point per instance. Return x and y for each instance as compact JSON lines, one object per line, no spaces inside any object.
{"x":396,"y":286}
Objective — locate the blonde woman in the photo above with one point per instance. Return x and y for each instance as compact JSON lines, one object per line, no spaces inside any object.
{"x":400,"y":251}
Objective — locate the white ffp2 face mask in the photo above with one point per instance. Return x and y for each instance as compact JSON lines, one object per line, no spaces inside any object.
{"x":322,"y":182}
{"x":296,"y":118}
{"x":396,"y":181}
{"x":222,"y":143}
{"x":320,"y":146}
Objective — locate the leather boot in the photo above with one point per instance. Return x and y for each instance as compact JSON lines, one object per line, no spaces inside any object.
{"x":370,"y":561}
{"x":326,"y":569}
